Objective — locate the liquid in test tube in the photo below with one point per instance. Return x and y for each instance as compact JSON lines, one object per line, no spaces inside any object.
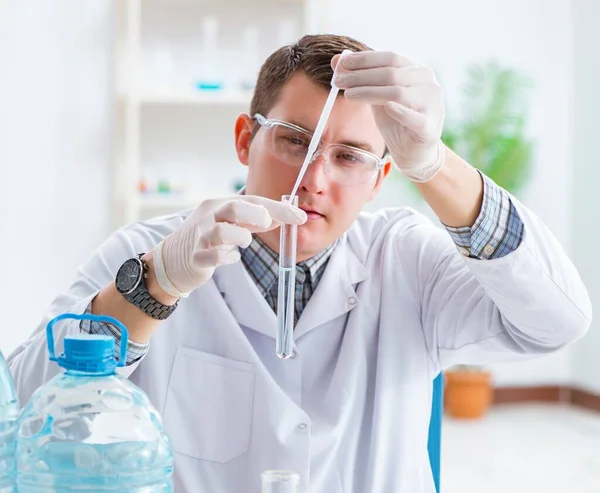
{"x":288,"y":238}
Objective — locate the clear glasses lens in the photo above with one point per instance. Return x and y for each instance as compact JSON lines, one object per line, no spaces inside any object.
{"x":345,"y":165}
{"x":289,"y":145}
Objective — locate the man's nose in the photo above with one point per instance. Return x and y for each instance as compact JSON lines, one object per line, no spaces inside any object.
{"x":315,"y":180}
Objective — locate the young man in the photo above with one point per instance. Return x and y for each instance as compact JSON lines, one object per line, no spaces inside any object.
{"x":385,"y":301}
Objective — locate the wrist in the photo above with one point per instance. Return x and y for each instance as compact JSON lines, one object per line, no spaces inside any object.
{"x":456,"y":192}
{"x":152,"y":284}
{"x":426,"y":167}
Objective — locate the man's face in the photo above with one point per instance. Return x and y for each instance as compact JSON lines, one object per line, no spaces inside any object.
{"x":331,"y":206}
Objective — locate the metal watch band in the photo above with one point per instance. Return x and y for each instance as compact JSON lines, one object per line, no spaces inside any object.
{"x":141,"y":298}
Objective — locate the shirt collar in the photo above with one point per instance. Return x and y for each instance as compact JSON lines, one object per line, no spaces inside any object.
{"x":262,"y":263}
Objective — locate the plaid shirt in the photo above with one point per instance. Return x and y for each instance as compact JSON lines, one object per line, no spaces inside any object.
{"x":134,"y":350}
{"x":262,"y":264}
{"x":497,"y":231}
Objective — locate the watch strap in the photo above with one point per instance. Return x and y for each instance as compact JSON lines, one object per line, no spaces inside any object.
{"x":141,"y":298}
{"x":145,"y":302}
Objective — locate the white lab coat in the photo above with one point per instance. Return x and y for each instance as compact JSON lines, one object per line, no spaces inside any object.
{"x":350,"y":412}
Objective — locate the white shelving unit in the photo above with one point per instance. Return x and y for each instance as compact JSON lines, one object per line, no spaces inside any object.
{"x":170,"y":135}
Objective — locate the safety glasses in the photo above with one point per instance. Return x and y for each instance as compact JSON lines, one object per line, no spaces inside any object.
{"x":344,"y":164}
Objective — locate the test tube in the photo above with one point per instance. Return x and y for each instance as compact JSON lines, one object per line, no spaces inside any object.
{"x":280,"y":482}
{"x":288,"y":237}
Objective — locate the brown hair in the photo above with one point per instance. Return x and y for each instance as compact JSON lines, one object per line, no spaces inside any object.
{"x":312,"y":55}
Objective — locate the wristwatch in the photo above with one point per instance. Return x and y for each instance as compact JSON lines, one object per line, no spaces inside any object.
{"x":130,"y":281}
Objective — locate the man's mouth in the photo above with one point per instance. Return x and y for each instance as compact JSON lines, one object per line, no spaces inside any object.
{"x":312,"y":214}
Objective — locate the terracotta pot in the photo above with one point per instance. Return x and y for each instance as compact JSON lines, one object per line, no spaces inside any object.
{"x":468,"y":394}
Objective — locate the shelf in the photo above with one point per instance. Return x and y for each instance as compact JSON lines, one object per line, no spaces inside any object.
{"x":167,"y":201}
{"x":161,"y":117}
{"x":178,"y":201}
{"x":193,"y":97}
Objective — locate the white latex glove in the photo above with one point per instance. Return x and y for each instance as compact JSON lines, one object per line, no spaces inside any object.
{"x":407,"y":103}
{"x":210,"y":237}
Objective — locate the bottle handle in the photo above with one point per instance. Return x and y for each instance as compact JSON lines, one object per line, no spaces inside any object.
{"x":92,"y":318}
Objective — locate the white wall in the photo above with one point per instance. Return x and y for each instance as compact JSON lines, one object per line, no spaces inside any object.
{"x":54,"y":145}
{"x":586,"y":200}
{"x":533,"y":35}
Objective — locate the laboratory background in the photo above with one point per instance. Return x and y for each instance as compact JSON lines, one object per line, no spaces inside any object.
{"x":113,"y":111}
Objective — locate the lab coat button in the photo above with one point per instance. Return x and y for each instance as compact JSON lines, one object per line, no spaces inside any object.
{"x":352,"y":300}
{"x":465,"y":251}
{"x":488,"y":250}
{"x":302,"y":426}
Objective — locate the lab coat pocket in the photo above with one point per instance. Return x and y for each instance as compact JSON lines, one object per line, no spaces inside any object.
{"x":209,"y":406}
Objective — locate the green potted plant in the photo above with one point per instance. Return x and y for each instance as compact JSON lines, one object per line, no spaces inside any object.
{"x":491,"y":137}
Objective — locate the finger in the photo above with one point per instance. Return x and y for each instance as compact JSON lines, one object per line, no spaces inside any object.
{"x":243,"y":213}
{"x":225,"y":234}
{"x":379,"y":95}
{"x":206,"y":259}
{"x":419,"y":98}
{"x":385,"y":76}
{"x":408,"y":117}
{"x":220,"y":204}
{"x":334,"y":61}
{"x":372,"y":59}
{"x":280,"y":212}
{"x":336,"y":58}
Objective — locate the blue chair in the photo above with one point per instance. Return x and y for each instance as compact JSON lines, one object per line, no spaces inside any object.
{"x":434,"y":444}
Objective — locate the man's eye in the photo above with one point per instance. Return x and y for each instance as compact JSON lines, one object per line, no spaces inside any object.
{"x":348,"y":156}
{"x":296,"y":141}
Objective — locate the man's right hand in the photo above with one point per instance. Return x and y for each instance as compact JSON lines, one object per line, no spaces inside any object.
{"x":209,"y":237}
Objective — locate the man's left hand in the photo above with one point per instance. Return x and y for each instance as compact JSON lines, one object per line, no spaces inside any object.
{"x":407,"y":103}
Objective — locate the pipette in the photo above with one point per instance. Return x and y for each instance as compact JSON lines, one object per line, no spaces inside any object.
{"x":316,"y":138}
{"x":286,"y":295}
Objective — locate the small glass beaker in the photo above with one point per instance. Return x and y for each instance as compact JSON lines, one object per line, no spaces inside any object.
{"x":280,"y":481}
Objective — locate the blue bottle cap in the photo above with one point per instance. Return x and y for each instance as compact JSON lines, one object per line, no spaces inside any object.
{"x":89,"y":353}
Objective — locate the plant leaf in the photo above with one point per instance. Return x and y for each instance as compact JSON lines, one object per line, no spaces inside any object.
{"x":491,"y":136}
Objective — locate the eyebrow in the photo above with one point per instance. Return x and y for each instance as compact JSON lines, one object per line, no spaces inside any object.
{"x":299,"y":124}
{"x":352,"y":143}
{"x":359,"y":145}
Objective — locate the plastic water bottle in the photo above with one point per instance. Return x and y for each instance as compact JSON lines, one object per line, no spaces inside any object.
{"x":89,"y":429}
{"x":280,"y":481}
{"x":9,"y":413}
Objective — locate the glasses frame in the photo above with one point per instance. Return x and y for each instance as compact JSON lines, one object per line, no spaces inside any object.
{"x":272,"y":122}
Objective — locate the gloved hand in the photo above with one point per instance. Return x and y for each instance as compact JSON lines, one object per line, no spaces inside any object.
{"x":407,"y":103}
{"x":209,"y":237}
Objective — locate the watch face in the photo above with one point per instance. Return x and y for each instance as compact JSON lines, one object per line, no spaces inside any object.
{"x":129,"y":276}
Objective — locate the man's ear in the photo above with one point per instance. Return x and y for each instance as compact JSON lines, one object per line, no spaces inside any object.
{"x":382,"y":174}
{"x":243,"y":135}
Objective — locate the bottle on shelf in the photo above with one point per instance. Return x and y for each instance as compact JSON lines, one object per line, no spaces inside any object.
{"x":277,"y":481}
{"x":250,"y":62}
{"x":210,"y":78}
{"x":164,"y":67}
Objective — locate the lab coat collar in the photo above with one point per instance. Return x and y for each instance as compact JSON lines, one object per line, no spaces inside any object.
{"x":244,"y":299}
{"x":335,"y":295}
